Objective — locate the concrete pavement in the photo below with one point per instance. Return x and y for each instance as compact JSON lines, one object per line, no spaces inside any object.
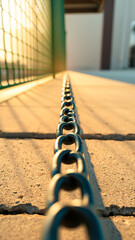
{"x":114,"y":166}
{"x":33,"y":111}
{"x":109,"y":105}
{"x":105,"y":108}
{"x":124,"y":75}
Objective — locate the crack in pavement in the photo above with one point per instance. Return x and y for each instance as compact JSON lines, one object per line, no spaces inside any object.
{"x":29,"y":135}
{"x":116,"y":137}
{"x":114,"y":210}
{"x":21,"y":208}
{"x":96,"y":136}
{"x":28,"y":208}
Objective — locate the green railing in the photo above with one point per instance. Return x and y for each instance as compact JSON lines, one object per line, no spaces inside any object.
{"x":32,"y":40}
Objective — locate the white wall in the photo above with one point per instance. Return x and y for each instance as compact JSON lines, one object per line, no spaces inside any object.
{"x":83,"y":41}
{"x":124,"y":14}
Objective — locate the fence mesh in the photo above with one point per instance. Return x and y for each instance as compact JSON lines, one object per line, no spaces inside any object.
{"x":25,"y":41}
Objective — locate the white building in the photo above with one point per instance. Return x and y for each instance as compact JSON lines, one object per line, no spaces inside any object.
{"x":92,"y":45}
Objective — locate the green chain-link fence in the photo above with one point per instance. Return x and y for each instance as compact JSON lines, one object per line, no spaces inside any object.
{"x":27,"y":40}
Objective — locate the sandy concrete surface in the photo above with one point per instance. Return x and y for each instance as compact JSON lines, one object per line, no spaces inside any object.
{"x":104,"y":106}
{"x":25,"y":173}
{"x":20,"y":227}
{"x":31,"y":227}
{"x":8,"y":93}
{"x":119,"y":228}
{"x":112,"y":171}
{"x":36,"y":110}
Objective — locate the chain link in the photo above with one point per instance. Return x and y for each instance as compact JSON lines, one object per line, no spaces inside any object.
{"x":79,"y":211}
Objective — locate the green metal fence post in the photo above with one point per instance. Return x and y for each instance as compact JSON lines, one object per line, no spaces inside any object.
{"x":52,"y":22}
{"x":58,"y":36}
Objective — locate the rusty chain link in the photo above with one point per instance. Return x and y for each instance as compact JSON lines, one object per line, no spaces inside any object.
{"x":80,"y":211}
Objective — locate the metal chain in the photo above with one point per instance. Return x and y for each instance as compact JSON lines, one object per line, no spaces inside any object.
{"x":77,"y":211}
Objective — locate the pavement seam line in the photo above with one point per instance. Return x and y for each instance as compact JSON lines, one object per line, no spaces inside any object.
{"x":114,"y":210}
{"x":21,"y":209}
{"x":97,"y":136}
{"x":116,"y":136}
{"x":28,"y":208}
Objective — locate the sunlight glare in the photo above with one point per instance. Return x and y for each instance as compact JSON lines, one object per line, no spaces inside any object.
{"x":14,"y":20}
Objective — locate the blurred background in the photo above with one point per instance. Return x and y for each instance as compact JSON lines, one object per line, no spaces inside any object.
{"x":100,"y":37}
